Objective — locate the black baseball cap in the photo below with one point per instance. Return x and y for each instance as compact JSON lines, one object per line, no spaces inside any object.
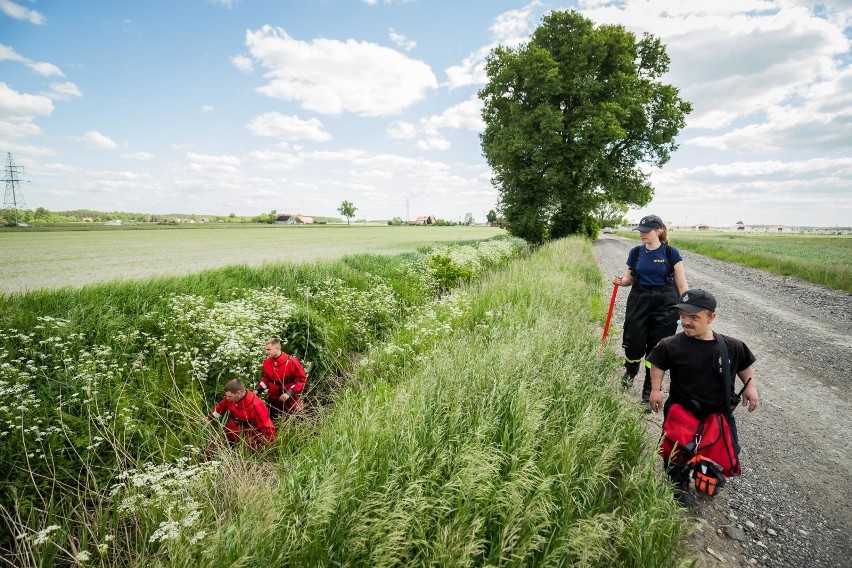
{"x":650,"y":222}
{"x":695,"y":300}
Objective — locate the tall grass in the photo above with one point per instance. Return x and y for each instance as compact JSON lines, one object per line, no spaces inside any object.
{"x":820,"y":259}
{"x":499,"y":443}
{"x":103,"y":387}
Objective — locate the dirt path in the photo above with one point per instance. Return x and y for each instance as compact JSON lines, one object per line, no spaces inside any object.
{"x":792,"y":505}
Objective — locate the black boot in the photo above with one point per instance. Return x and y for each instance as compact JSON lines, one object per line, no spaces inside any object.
{"x":631,"y":369}
{"x":646,"y":386}
{"x":680,"y":480}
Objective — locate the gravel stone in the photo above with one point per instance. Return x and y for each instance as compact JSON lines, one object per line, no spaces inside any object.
{"x":736,"y":533}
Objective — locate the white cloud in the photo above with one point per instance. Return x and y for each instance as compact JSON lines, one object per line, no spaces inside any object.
{"x":338,"y":155}
{"x":764,"y":192}
{"x":39,"y":68}
{"x":63,"y":91}
{"x":401,"y":130}
{"x":274,"y":160}
{"x":46,"y":70}
{"x":736,"y":58}
{"x":9,"y":53}
{"x":471,"y":71}
{"x":18,"y":12}
{"x":212,"y":165}
{"x":331,"y":77}
{"x":18,"y":129}
{"x":21,"y":104}
{"x":435,"y":142}
{"x":401,"y":41}
{"x":145,"y":156}
{"x":207,"y":108}
{"x":514,"y":27}
{"x":243,"y":63}
{"x":95,"y":139}
{"x":290,"y":127}
{"x":509,"y":29}
{"x":467,"y":115}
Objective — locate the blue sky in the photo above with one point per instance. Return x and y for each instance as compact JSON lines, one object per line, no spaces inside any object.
{"x":213,"y":107}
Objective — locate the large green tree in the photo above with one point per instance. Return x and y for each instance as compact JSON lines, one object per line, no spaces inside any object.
{"x":572,"y":118}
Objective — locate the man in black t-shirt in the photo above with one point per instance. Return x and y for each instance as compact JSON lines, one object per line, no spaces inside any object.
{"x":694,"y":362}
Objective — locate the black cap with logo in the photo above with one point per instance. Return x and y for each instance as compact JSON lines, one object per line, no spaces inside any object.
{"x":695,"y":300}
{"x":650,"y":222}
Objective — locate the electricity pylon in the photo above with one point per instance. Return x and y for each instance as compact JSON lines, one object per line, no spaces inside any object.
{"x":14,"y":197}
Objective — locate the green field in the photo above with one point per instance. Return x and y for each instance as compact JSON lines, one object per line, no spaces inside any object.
{"x":31,"y":260}
{"x":821,"y":259}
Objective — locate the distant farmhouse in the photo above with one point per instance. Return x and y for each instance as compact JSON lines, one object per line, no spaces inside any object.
{"x":423,"y":220}
{"x":287,"y":219}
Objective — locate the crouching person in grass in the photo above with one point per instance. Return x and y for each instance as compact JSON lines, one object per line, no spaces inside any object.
{"x":248,"y":419}
{"x":702,"y":365}
{"x":283,"y":380}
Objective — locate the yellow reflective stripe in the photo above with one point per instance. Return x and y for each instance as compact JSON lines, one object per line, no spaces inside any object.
{"x":647,"y":363}
{"x":633,"y":360}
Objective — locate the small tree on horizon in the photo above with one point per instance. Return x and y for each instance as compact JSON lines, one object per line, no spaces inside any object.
{"x":347,"y":209}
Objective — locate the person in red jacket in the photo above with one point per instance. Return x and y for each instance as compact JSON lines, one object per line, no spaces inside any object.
{"x":248,"y":418}
{"x":283,"y":380}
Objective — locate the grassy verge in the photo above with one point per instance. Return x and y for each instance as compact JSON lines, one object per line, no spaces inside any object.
{"x":499,"y":442}
{"x":109,"y":379}
{"x":820,"y":259}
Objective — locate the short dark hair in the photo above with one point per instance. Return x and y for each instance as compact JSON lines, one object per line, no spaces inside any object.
{"x":234,"y":386}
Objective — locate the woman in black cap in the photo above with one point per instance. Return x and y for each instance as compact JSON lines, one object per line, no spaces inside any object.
{"x":655,"y":270}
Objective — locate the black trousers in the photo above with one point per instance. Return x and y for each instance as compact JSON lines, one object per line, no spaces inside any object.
{"x":650,"y":316}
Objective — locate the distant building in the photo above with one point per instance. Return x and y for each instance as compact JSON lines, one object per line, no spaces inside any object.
{"x":833,"y":230}
{"x":287,"y":219}
{"x":423,"y":220}
{"x":768,"y":229}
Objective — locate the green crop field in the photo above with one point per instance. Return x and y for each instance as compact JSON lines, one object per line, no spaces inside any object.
{"x":31,"y":260}
{"x":821,"y":259}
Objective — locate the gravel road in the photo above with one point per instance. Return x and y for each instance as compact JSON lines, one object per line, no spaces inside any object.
{"x":792,"y":505}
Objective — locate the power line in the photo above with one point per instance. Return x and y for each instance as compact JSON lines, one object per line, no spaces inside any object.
{"x":13,"y":198}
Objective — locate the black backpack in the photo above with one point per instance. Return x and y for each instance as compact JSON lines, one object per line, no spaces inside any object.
{"x":634,"y":256}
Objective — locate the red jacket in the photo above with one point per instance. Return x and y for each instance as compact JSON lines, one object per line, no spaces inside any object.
{"x":248,"y":419}
{"x":282,"y":374}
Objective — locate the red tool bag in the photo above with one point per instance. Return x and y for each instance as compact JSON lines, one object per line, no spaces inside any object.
{"x":685,"y":436}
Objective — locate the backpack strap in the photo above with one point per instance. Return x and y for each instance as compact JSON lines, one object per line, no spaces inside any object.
{"x":726,"y":370}
{"x":632,"y":258}
{"x":669,"y":265}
